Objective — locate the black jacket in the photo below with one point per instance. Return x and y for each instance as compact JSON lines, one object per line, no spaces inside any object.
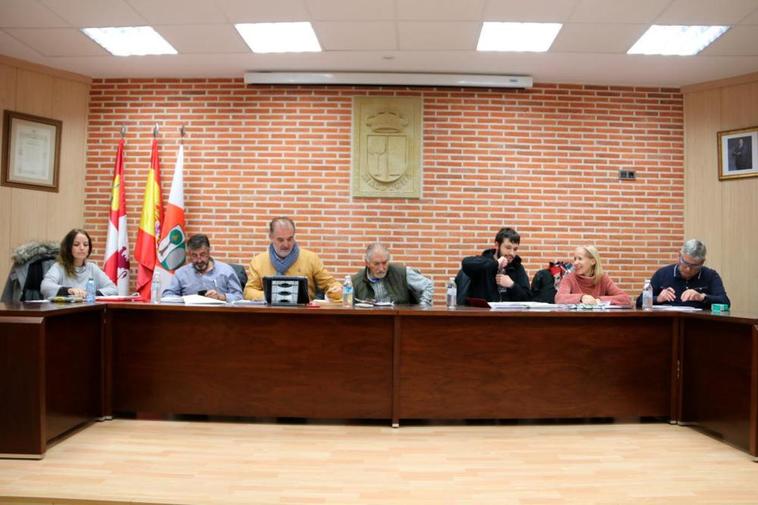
{"x":481,"y":270}
{"x":543,"y":287}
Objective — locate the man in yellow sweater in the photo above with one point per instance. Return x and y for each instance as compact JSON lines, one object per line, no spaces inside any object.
{"x":285,"y":257}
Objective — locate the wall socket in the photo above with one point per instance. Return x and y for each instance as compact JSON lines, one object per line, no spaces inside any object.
{"x":627,"y":175}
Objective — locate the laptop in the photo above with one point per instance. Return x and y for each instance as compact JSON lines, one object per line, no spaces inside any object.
{"x":285,"y":290}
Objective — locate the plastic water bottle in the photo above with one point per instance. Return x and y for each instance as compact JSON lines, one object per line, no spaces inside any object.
{"x":347,"y":292}
{"x":647,"y":296}
{"x":155,"y":289}
{"x":452,"y":294}
{"x":90,"y":291}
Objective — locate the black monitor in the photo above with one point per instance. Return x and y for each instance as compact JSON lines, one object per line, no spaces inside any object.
{"x":285,"y":290}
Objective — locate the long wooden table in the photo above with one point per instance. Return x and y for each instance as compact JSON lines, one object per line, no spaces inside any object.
{"x":411,"y":363}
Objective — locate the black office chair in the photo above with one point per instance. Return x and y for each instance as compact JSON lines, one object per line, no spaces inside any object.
{"x":241,"y":274}
{"x":462,"y":284}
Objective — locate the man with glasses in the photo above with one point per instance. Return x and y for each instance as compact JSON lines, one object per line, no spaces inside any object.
{"x":688,"y":282}
{"x":204,"y":275}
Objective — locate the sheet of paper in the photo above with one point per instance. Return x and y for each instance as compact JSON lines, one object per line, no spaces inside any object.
{"x":117,"y":298}
{"x":676,"y":308}
{"x":201,"y":300}
{"x":521,"y":305}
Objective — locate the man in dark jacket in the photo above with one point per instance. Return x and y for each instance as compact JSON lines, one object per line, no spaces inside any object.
{"x":497,"y":275}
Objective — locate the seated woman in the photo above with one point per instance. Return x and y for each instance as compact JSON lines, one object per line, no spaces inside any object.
{"x":69,"y":275}
{"x":587,"y":283}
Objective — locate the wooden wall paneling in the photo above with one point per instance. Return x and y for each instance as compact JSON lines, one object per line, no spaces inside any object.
{"x":722,"y":213}
{"x":702,"y":207}
{"x":739,"y":109}
{"x":30,"y":210}
{"x":754,"y":397}
{"x":36,"y":215}
{"x":740,"y":242}
{"x":7,"y":101}
{"x":70,"y":100}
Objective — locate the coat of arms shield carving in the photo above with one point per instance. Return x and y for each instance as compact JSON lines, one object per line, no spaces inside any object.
{"x":387,"y":139}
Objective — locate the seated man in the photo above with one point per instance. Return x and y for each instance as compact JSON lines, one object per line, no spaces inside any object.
{"x":688,"y":282}
{"x":382,"y":281}
{"x":285,"y":257}
{"x":497,"y":275}
{"x":204,"y":274}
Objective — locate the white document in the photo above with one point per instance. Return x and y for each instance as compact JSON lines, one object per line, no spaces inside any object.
{"x":521,"y":305}
{"x":249,"y":302}
{"x":676,"y":308}
{"x":172,"y":299}
{"x":201,"y":300}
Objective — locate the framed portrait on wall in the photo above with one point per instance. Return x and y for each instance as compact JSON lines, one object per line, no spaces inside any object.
{"x":738,"y":153}
{"x":31,"y":151}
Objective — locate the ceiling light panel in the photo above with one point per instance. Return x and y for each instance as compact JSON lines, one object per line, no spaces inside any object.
{"x":677,"y":40}
{"x":296,"y":37}
{"x":130,"y":40}
{"x":517,"y":37}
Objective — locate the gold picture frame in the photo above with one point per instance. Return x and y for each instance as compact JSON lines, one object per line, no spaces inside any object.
{"x":31,"y":151}
{"x":738,"y":153}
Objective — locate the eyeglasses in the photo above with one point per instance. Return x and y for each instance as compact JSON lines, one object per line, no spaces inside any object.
{"x":691,"y":266}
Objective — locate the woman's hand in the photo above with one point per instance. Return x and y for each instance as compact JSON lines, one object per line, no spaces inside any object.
{"x":589,"y":300}
{"x":77,"y":292}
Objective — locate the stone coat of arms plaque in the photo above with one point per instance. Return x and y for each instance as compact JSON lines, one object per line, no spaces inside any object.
{"x":387,"y":140}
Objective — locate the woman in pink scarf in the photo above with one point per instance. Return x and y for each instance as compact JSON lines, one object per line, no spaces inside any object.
{"x":587,"y":283}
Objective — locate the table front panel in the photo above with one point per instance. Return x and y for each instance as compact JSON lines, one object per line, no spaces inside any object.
{"x":287,"y":363}
{"x":535,"y":367}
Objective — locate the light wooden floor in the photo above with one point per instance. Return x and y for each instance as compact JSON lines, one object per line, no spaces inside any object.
{"x":228,"y":463}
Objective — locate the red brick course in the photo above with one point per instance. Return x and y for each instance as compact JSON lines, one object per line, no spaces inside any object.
{"x":543,"y":160}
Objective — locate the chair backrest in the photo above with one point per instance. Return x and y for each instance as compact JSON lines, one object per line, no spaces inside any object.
{"x":462,"y":284}
{"x":241,"y":274}
{"x":543,"y":287}
{"x":34,"y":276}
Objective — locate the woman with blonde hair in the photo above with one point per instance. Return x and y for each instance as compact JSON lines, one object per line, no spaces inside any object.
{"x":587,"y":283}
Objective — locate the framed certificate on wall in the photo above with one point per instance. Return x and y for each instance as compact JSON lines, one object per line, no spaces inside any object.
{"x":31,"y":151}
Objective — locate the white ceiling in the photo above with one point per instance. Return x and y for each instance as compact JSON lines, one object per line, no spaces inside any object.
{"x":386,"y":35}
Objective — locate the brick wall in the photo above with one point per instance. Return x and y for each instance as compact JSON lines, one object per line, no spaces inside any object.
{"x":543,"y":160}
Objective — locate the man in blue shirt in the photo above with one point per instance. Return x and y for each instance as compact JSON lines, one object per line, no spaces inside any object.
{"x":688,"y":282}
{"x":204,"y":275}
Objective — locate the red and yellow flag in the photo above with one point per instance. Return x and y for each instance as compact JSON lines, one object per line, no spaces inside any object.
{"x":117,"y":243}
{"x":145,"y":251}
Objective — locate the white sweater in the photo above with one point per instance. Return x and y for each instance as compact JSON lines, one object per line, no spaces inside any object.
{"x":56,"y":278}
